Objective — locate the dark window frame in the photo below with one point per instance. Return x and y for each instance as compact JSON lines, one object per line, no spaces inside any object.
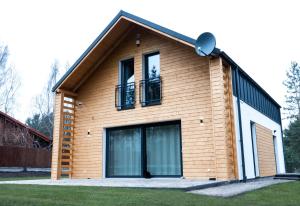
{"x":122,"y":88}
{"x":253,"y":124}
{"x":143,"y":128}
{"x":146,"y":81}
{"x":275,"y":154}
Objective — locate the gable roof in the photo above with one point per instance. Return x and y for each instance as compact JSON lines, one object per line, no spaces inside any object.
{"x":134,"y":18}
{"x":160,"y":29}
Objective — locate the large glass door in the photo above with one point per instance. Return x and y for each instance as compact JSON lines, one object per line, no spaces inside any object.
{"x":163,"y":150}
{"x":124,"y":153}
{"x":152,"y":150}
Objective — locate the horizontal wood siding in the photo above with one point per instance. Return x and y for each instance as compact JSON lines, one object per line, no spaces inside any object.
{"x":222,"y":117}
{"x":186,"y":97}
{"x":265,"y":148}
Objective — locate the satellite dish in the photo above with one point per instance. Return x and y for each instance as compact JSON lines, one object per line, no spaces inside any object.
{"x":205,"y":44}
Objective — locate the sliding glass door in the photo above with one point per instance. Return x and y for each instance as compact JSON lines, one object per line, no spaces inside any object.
{"x":163,"y":150}
{"x":124,"y":152}
{"x":145,"y":150}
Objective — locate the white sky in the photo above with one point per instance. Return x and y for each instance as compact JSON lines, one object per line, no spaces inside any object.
{"x":263,"y":37}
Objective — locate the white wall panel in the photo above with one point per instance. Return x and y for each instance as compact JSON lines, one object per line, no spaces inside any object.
{"x":250,"y":114}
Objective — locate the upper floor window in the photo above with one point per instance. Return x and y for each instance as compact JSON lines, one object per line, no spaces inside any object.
{"x":151,"y":84}
{"x":125,"y":91}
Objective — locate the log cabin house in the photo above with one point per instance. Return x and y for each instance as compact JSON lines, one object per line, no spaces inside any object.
{"x":140,"y":102}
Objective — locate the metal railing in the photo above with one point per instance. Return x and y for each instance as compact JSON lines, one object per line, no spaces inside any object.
{"x":150,"y":91}
{"x":125,"y":96}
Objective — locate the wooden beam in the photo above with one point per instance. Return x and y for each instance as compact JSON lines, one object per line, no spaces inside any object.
{"x":69,"y":108}
{"x":68,"y":102}
{"x":66,"y":93}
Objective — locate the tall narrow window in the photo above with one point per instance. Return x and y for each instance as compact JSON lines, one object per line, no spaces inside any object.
{"x":125,"y":91}
{"x":151,"y":84}
{"x":254,"y":149}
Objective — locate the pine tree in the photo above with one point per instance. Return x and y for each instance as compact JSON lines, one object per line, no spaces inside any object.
{"x":291,"y":147}
{"x":292,"y":133}
{"x":292,"y":84}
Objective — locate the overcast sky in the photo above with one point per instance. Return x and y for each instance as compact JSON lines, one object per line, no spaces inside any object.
{"x":263,"y":37}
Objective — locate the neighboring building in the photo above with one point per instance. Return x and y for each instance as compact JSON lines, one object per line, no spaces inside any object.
{"x":22,"y":146}
{"x":15,"y":133}
{"x":140,"y":102}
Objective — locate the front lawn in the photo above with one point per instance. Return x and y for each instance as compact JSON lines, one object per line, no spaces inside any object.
{"x":28,"y":195}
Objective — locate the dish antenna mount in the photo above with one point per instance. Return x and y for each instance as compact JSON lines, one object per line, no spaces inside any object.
{"x":205,"y":44}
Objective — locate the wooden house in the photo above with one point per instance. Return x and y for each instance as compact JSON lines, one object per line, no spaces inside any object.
{"x":140,"y":102}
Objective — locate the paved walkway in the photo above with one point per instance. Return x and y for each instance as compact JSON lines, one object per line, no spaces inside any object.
{"x":176,"y":183}
{"x":233,"y":189}
{"x":194,"y":186}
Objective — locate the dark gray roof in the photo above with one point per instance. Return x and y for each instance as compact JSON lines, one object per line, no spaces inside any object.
{"x":161,"y":29}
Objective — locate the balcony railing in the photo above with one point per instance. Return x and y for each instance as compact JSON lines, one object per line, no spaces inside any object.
{"x":151,"y":91}
{"x":125,"y":96}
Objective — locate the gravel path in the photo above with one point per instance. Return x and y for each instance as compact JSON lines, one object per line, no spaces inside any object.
{"x":238,"y":188}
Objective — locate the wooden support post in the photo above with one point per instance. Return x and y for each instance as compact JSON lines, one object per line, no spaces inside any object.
{"x":57,"y":136}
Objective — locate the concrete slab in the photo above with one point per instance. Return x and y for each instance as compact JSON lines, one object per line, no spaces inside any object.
{"x":233,"y":189}
{"x":174,"y":183}
{"x":22,"y":169}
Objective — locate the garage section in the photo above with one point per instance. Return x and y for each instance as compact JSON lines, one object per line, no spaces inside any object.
{"x":265,"y":150}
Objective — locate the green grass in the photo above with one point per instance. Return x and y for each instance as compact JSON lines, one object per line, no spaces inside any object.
{"x":26,"y":195}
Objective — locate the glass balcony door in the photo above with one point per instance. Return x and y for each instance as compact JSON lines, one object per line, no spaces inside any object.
{"x":127,"y":84}
{"x":152,"y":81}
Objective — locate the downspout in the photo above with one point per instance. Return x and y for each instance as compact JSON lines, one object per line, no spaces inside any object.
{"x":282,"y":140}
{"x":237,"y":86}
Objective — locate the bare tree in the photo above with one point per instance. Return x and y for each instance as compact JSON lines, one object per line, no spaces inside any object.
{"x":9,"y":82}
{"x":3,"y":62}
{"x":42,"y":120}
